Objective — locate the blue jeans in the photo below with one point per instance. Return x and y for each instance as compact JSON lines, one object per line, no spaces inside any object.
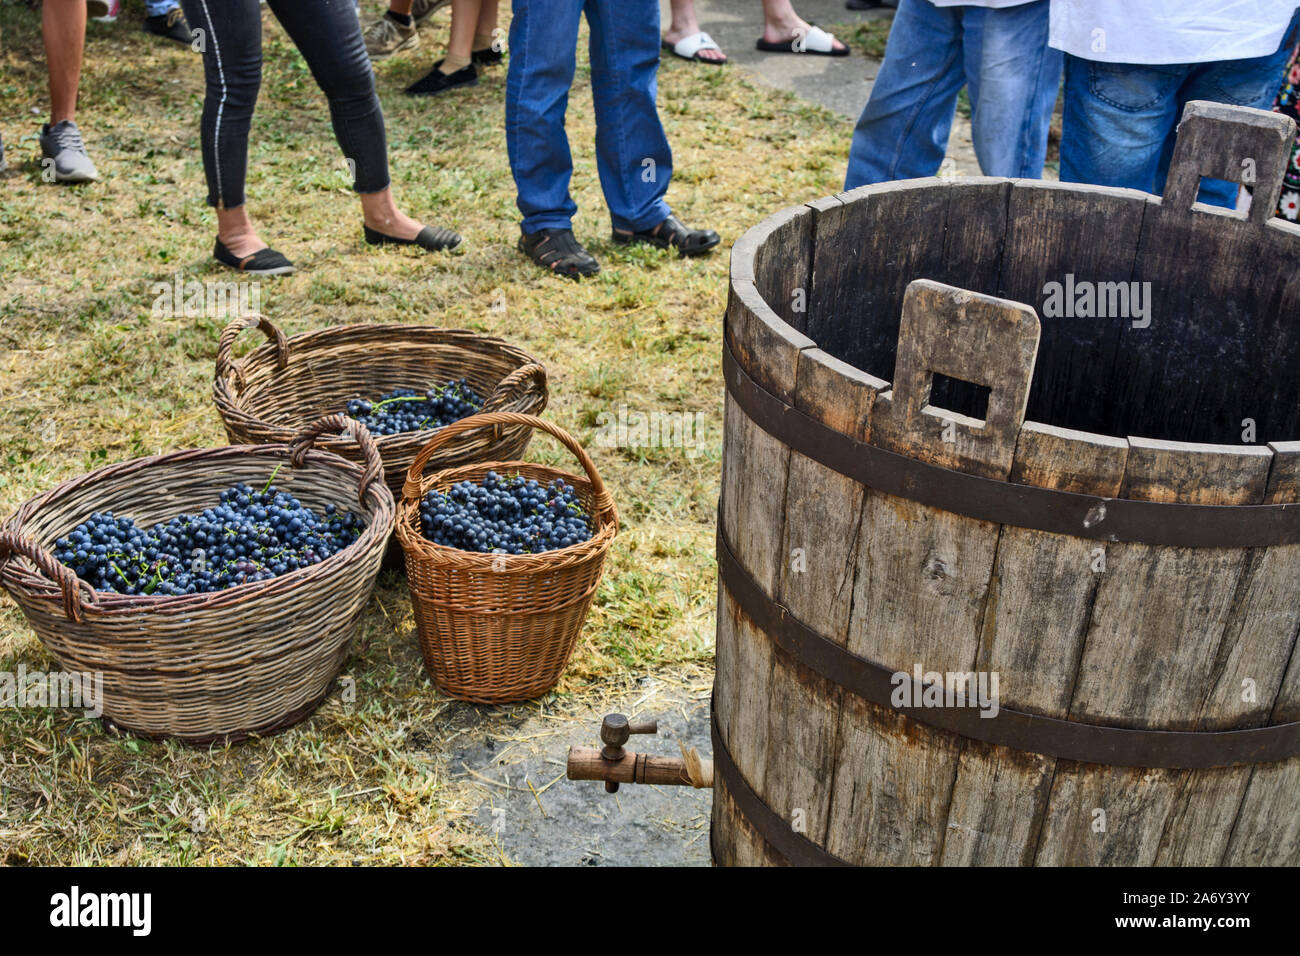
{"x":1000,"y":56}
{"x":1120,"y":119}
{"x":632,"y":154}
{"x":158,"y":8}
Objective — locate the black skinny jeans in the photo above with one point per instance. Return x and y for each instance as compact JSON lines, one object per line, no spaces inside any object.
{"x":328,"y":35}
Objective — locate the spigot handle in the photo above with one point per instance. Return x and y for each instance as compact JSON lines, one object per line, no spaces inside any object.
{"x":616,"y":728}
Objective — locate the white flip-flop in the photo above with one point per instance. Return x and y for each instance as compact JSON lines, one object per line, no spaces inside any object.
{"x":816,"y":41}
{"x":688,"y":48}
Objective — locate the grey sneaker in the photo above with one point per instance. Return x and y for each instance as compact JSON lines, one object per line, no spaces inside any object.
{"x":421,"y":10}
{"x":386,"y":37}
{"x":64,"y":155}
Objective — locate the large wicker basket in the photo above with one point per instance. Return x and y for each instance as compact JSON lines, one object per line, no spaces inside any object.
{"x":270,"y":394}
{"x":224,"y":665}
{"x":496,"y":628}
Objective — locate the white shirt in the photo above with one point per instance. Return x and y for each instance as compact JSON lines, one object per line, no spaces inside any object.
{"x":1169,"y":31}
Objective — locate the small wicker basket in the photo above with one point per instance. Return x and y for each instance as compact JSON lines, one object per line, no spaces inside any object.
{"x":283,"y":384}
{"x":496,"y":628}
{"x":219,"y":666}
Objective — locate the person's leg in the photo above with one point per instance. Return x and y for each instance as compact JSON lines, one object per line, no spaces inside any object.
{"x":63,"y":28}
{"x":329,"y":37}
{"x":1252,"y":82}
{"x":903,"y":130}
{"x":485,"y":29}
{"x":781,"y":23}
{"x":1117,"y":116}
{"x":456,"y":68}
{"x":460,"y":44}
{"x":232,"y":71}
{"x":684,"y":24}
{"x":632,"y":153}
{"x":63,"y":153}
{"x":543,"y":57}
{"x":1012,"y":99}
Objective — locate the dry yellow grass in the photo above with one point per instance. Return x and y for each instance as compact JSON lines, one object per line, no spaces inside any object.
{"x":89,"y":375}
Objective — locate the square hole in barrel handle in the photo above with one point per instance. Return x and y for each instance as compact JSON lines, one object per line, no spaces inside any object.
{"x":969,"y":336}
{"x":1235,"y":143}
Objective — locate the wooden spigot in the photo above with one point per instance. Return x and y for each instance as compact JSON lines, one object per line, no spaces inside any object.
{"x":614,"y":732}
{"x":614,"y":764}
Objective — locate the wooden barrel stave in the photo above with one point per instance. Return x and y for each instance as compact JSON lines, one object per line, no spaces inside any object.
{"x":1000,"y":796}
{"x":1178,"y":600}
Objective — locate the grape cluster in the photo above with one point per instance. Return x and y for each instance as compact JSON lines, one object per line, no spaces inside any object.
{"x":505,"y":515}
{"x":406,"y":410}
{"x":248,"y":536}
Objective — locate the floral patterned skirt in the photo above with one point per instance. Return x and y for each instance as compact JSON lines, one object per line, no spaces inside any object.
{"x":1288,"y":102}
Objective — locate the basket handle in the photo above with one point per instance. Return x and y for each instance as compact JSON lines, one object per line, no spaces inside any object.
{"x":231,"y":332}
{"x":374,"y":467}
{"x":13,"y":542}
{"x":525,"y":379}
{"x":415,"y":475}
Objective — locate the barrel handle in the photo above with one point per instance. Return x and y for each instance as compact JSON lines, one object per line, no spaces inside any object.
{"x":968,"y":336}
{"x":1235,"y":143}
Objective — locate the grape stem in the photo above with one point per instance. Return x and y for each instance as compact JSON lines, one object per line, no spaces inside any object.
{"x":399,"y":398}
{"x":267,"y":486}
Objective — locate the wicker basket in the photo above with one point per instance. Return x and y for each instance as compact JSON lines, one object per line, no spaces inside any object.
{"x":496,"y":628}
{"x":224,"y":665}
{"x":283,"y":384}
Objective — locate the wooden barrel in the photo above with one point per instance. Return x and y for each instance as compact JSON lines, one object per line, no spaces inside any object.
{"x":1081,"y":510}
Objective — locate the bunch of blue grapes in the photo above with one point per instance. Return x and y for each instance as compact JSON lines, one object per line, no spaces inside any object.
{"x":406,"y":410}
{"x":505,"y":515}
{"x":248,"y":536}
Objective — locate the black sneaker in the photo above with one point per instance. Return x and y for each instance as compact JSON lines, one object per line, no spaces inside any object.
{"x":171,"y":25}
{"x":670,"y":232}
{"x":439,"y":82}
{"x":487,"y":57}
{"x":558,"y":251}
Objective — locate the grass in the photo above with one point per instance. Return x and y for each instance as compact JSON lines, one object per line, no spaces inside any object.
{"x":88,"y":375}
{"x":868,"y":34}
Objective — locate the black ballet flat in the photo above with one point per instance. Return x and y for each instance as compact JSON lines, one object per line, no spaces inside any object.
{"x":433,"y":238}
{"x":436,"y":81}
{"x":263,"y":262}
